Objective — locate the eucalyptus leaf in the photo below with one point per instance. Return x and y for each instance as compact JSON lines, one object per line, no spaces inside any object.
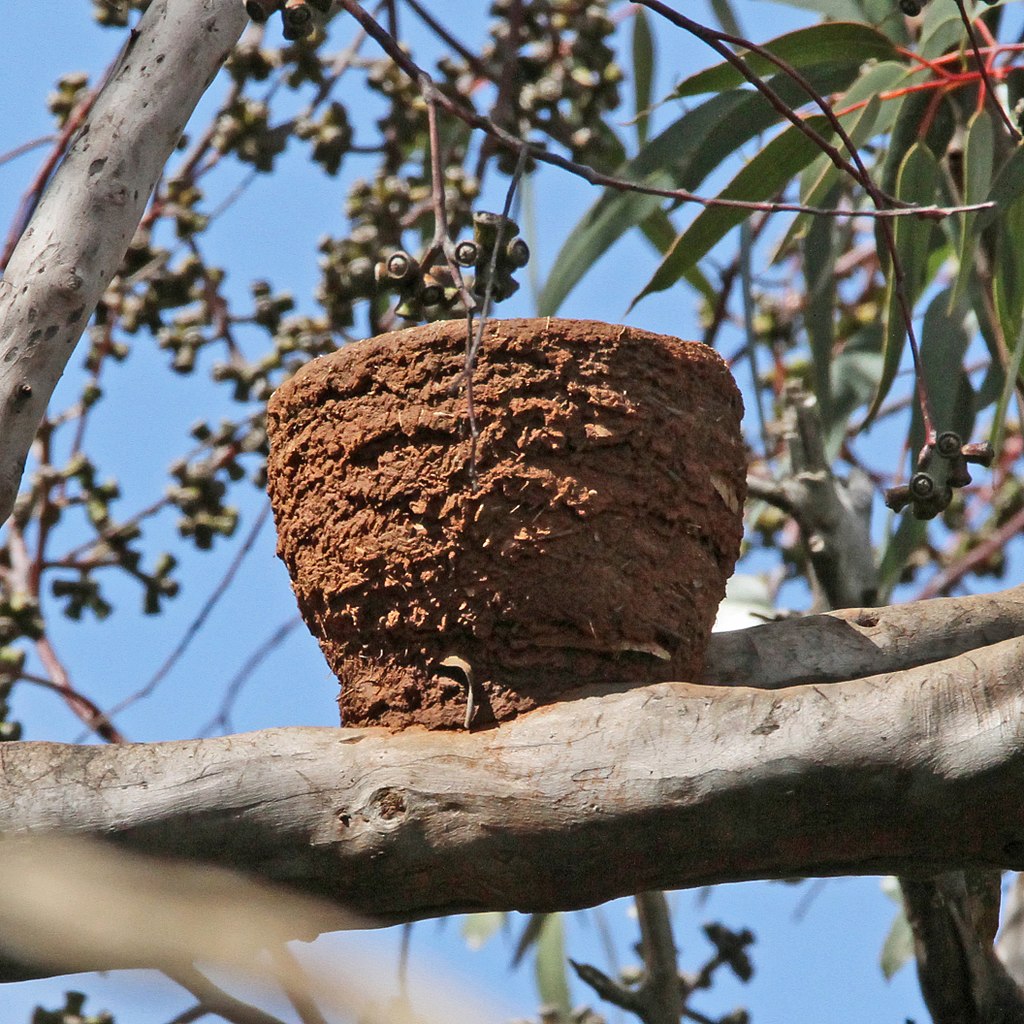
{"x":916,"y":183}
{"x":550,"y":966}
{"x":830,"y":43}
{"x":763,"y":176}
{"x":643,"y":71}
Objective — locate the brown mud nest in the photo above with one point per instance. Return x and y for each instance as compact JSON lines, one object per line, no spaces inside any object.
{"x":586,"y":540}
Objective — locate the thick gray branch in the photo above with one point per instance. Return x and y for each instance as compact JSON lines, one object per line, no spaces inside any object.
{"x":85,"y":220}
{"x":659,"y":787}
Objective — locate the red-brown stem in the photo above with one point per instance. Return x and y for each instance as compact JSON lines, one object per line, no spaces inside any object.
{"x":983,"y":71}
{"x":953,"y":574}
{"x":83,"y":708}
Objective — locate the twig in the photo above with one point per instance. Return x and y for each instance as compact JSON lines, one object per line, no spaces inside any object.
{"x":302,"y":1002}
{"x":91,"y":709}
{"x":32,"y":194}
{"x":197,"y":623}
{"x":216,"y":1000}
{"x":222,"y":719}
{"x":475,"y":332}
{"x":193,"y":1013}
{"x":476,"y":65}
{"x":943,"y":582}
{"x":84,"y":708}
{"x":858,"y":170}
{"x":25,"y":147}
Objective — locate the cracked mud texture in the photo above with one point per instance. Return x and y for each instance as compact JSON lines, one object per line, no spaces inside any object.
{"x":594,"y":549}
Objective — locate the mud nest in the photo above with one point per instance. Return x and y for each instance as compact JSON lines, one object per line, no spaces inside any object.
{"x":584,"y":539}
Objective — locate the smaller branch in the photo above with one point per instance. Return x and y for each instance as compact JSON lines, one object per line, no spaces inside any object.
{"x":476,"y":65}
{"x":660,"y":993}
{"x":302,"y":1002}
{"x":943,"y":582}
{"x":197,"y":623}
{"x":222,"y":720}
{"x":84,"y":708}
{"x":215,"y":1000}
{"x":25,"y":147}
{"x":30,"y":200}
{"x":608,"y":990}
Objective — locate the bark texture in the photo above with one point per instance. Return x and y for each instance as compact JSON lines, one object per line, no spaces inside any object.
{"x":665,"y":786}
{"x":85,"y":220}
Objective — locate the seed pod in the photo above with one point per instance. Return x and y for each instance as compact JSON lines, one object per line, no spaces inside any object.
{"x":400,"y":266}
{"x":466,"y":253}
{"x":922,"y":485}
{"x":948,"y":444}
{"x":517,"y":252}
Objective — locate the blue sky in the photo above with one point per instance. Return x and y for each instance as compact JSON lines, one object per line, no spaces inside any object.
{"x":822,"y":966}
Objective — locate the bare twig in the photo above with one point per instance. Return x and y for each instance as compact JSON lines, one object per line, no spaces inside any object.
{"x":222,"y":720}
{"x":216,"y":1000}
{"x":197,"y":623}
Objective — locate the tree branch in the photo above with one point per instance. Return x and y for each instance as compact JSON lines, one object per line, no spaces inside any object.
{"x":82,"y":227}
{"x":666,"y":786}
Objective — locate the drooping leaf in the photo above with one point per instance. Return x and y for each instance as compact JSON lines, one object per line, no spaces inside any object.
{"x":528,"y":937}
{"x":898,"y":947}
{"x":763,"y":176}
{"x":909,"y":534}
{"x":859,"y":126}
{"x":819,"y":313}
{"x":679,"y":157}
{"x":550,"y":965}
{"x":916,"y":183}
{"x":978,"y":161}
{"x":1007,"y":188}
{"x":643,"y":72}
{"x":941,"y":30}
{"x":944,"y":341}
{"x":849,"y":10}
{"x":477,"y":929}
{"x":723,"y":11}
{"x":1009,"y":378}
{"x":831,"y":43}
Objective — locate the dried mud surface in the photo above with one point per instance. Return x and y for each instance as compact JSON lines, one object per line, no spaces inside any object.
{"x":606,"y":518}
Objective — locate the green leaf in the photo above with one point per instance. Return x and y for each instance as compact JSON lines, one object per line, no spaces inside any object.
{"x":477,"y":929}
{"x":1006,"y":189}
{"x":916,"y":182}
{"x":979,"y":158}
{"x":763,"y":176}
{"x":908,"y":536}
{"x":859,"y":125}
{"x":679,"y":157}
{"x":898,"y":947}
{"x":851,"y":10}
{"x":1012,"y":372}
{"x":944,"y":341}
{"x":832,"y":43}
{"x":726,"y":18}
{"x":819,"y":313}
{"x":552,"y":978}
{"x":643,"y":71}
